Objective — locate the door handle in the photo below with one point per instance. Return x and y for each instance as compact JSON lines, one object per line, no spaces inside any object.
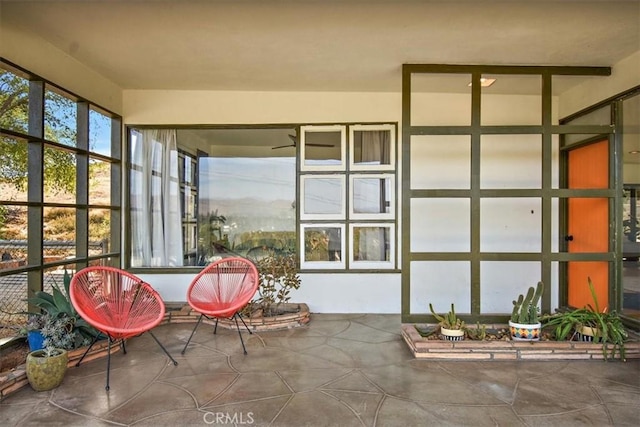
{"x":568,"y":238}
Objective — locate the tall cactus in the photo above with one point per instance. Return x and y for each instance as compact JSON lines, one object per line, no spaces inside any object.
{"x":525,"y":309}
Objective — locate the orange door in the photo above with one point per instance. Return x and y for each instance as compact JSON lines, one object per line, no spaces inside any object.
{"x":588,"y":224}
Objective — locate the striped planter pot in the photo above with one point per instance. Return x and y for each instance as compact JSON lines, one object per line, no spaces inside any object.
{"x":525,"y":332}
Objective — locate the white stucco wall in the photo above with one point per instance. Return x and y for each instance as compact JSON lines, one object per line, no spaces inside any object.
{"x":624,"y":75}
{"x":39,"y":57}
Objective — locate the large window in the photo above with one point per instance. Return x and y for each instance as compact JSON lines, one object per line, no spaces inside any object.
{"x":241,"y":191}
{"x":235,"y":194}
{"x":59,"y":185}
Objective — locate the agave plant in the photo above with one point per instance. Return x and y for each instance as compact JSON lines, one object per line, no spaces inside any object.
{"x":62,"y":325}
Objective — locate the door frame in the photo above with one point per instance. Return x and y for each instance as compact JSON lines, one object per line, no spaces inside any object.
{"x":613,"y":254}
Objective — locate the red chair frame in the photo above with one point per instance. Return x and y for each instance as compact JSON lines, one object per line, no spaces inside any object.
{"x":221,"y":289}
{"x":118,"y":304}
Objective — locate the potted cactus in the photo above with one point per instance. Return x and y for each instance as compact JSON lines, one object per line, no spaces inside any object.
{"x":525,"y":324}
{"x":451,"y":327}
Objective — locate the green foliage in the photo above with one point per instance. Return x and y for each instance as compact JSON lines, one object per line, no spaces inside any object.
{"x":278,"y":276}
{"x":449,"y":320}
{"x":608,"y":325}
{"x":60,"y":125}
{"x":477,"y":333}
{"x":64,"y":328}
{"x":525,"y":308}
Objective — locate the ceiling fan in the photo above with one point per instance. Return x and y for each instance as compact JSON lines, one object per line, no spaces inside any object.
{"x":294,"y":142}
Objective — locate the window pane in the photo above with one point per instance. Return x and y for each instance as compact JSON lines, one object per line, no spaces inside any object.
{"x":13,"y":169}
{"x":99,"y":133}
{"x":372,"y":195}
{"x":99,"y":231}
{"x":99,"y":182}
{"x":59,"y":176}
{"x":371,"y":243}
{"x":246,"y":205}
{"x":60,"y":118}
{"x":323,"y":147}
{"x":59,"y":234}
{"x":372,"y":147}
{"x":13,"y":233}
{"x":323,"y":196}
{"x":323,"y":244}
{"x":14,"y":98}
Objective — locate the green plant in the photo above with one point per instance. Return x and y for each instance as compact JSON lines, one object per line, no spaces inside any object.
{"x":449,"y":320}
{"x":477,"y":333}
{"x":62,"y":325}
{"x":278,"y":276}
{"x":608,"y":326}
{"x":525,"y":308}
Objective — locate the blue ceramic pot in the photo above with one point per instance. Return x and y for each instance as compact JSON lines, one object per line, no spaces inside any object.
{"x":36,"y":340}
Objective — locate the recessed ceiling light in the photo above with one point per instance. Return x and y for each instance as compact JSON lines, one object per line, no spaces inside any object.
{"x":485,"y":82}
{"x":634,"y":152}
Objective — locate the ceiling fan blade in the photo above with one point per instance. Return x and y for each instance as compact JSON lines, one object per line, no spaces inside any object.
{"x":318,"y":145}
{"x":293,"y":138}
{"x":283,"y":146}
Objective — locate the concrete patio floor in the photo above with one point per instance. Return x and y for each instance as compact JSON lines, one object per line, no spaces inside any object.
{"x":339,"y":370}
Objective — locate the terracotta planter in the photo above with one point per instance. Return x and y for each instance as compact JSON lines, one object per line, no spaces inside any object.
{"x":45,"y":373}
{"x":452,"y":334}
{"x":524,"y":331}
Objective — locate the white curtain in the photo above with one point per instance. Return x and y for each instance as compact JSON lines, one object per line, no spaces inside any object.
{"x":156,"y":223}
{"x":376,"y":147}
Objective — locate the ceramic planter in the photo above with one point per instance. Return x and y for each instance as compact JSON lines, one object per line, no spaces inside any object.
{"x":35,"y":340}
{"x":45,"y":373}
{"x":524,"y":331}
{"x":452,"y":334}
{"x":587,"y":333}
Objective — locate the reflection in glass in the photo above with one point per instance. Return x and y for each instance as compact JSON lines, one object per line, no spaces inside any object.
{"x":322,"y":147}
{"x":246,"y":205}
{"x":323,"y":195}
{"x":13,"y":227}
{"x":372,"y":195}
{"x":323,"y":244}
{"x":371,"y":243}
{"x":372,"y":147}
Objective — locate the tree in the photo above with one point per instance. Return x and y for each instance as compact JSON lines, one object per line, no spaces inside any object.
{"x":60,"y":125}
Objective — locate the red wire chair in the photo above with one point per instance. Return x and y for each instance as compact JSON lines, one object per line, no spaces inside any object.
{"x":116,"y":303}
{"x":221,"y":289}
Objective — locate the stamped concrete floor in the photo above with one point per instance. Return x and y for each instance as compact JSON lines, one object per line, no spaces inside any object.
{"x":339,"y":370}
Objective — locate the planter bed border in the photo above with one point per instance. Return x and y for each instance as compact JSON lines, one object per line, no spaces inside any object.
{"x":423,"y":348}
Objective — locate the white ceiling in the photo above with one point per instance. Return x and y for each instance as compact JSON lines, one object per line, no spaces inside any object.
{"x":325,"y":45}
{"x":312,"y":45}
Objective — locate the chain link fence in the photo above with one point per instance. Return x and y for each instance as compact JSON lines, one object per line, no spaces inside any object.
{"x":13,"y":287}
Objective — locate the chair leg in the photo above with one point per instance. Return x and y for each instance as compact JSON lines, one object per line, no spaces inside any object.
{"x":235,"y":316}
{"x":87,"y":350}
{"x":192,"y":332}
{"x":215,"y":328}
{"x":163,"y":349}
{"x":124,"y":348}
{"x":245,"y":325}
{"x":108,"y":362}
